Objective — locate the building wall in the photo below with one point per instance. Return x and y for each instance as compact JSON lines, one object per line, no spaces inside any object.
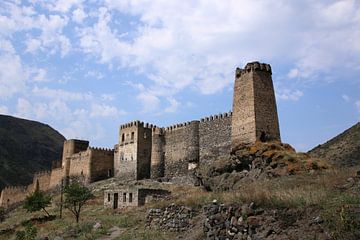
{"x":144,"y":140}
{"x":12,"y":195}
{"x":43,"y":178}
{"x":73,"y":146}
{"x":123,"y":197}
{"x":157,"y":153}
{"x":55,"y":178}
{"x":214,"y":137}
{"x":102,"y":164}
{"x":266,"y":117}
{"x":125,"y":165}
{"x":181,"y":148}
{"x":80,"y":166}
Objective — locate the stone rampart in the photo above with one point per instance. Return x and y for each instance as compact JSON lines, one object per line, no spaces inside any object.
{"x":181,"y":148}
{"x":41,"y":178}
{"x":12,"y":195}
{"x":215,"y":136}
{"x":102,"y":164}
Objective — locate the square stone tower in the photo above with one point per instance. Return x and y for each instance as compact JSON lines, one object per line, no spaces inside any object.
{"x":254,"y":106}
{"x":132,"y":156}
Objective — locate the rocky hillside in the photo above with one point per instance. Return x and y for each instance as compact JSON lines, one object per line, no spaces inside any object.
{"x":343,"y":150}
{"x":26,"y":147}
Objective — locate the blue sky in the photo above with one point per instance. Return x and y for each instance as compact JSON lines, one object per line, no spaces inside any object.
{"x":85,"y":67}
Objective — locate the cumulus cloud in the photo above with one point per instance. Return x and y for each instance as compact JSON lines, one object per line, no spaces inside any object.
{"x":61,"y":94}
{"x":103,"y":110}
{"x":287,"y":94}
{"x":174,"y":105}
{"x":345,"y":97}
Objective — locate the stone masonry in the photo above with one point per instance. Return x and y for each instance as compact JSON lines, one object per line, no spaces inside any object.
{"x":147,"y":151}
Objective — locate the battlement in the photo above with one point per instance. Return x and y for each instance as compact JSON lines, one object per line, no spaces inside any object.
{"x":253,"y":66}
{"x":42,"y":173}
{"x":138,"y":124}
{"x":218,"y":116}
{"x":99,"y":149}
{"x":178,"y":126}
{"x":15,"y":189}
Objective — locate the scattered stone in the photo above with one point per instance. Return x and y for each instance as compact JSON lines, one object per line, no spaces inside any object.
{"x":173,"y":218}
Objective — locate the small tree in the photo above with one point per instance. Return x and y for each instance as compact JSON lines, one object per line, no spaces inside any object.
{"x":76,"y":196}
{"x":37,"y":201}
{"x":29,"y":233}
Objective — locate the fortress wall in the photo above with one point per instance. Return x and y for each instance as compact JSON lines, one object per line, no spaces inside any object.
{"x":80,"y":165}
{"x":12,"y":195}
{"x":125,"y":163}
{"x":181,"y":148}
{"x":44,"y":181}
{"x":157,"y":153}
{"x":102,"y":164}
{"x":144,"y":152}
{"x":55,"y":178}
{"x":215,"y":137}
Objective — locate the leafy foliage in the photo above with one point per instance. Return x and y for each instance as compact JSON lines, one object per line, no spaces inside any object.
{"x":76,"y":195}
{"x":29,"y":233}
{"x":37,"y":201}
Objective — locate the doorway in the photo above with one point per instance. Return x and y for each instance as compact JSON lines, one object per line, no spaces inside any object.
{"x":116,"y":197}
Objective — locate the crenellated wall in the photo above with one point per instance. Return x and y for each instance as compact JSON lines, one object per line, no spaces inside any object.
{"x":57,"y":174}
{"x":41,"y":178}
{"x":214,"y":137}
{"x":101,"y":164}
{"x":12,"y":195}
{"x":157,"y":153}
{"x":181,"y":148}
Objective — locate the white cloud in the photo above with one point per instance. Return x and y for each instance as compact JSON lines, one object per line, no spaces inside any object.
{"x":357,"y":104}
{"x":12,"y":74}
{"x":174,"y":105}
{"x":149,"y":101}
{"x":61,"y":94}
{"x":78,"y":15}
{"x":102,"y":110}
{"x":345,"y":97}
{"x":287,"y":94}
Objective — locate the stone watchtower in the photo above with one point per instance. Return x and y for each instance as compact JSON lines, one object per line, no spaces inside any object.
{"x":133,"y":152}
{"x":254,"y":106}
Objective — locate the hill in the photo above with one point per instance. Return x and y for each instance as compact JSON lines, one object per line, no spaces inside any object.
{"x":343,"y":150}
{"x":25,"y":148}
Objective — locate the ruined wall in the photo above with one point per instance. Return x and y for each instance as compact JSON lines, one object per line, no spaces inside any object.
{"x":102,"y":164}
{"x":181,"y":148}
{"x":12,"y":195}
{"x":126,"y":197}
{"x":157,"y":153}
{"x":55,"y":178}
{"x":214,"y":137}
{"x":43,"y":178}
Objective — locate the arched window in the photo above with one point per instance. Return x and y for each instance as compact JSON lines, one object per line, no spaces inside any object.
{"x":123,"y":137}
{"x":132,"y":135}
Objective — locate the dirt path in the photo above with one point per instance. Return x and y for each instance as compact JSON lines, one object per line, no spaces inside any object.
{"x":115,"y":232}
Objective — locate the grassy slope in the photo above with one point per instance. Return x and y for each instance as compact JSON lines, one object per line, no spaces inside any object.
{"x":342,"y":150}
{"x":318,"y":191}
{"x":26,"y":147}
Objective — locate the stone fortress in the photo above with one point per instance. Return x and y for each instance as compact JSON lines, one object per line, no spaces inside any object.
{"x":145,"y":151}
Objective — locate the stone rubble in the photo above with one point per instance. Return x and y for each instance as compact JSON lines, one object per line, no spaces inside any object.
{"x":173,"y":218}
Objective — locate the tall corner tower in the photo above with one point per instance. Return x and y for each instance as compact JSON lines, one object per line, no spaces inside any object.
{"x":255,"y":115}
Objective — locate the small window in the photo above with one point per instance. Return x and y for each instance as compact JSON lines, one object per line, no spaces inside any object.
{"x":123,"y":138}
{"x":130,"y":197}
{"x":108,"y":197}
{"x":132,"y":135}
{"x":82,"y":173}
{"x":145,"y":135}
{"x":124,"y":197}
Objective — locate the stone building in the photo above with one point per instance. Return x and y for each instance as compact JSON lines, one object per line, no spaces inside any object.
{"x":147,"y":151}
{"x":131,"y":196}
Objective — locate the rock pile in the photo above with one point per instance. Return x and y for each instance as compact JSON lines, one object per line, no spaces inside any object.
{"x":231,"y":222}
{"x":259,"y":161}
{"x":173,"y":218}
